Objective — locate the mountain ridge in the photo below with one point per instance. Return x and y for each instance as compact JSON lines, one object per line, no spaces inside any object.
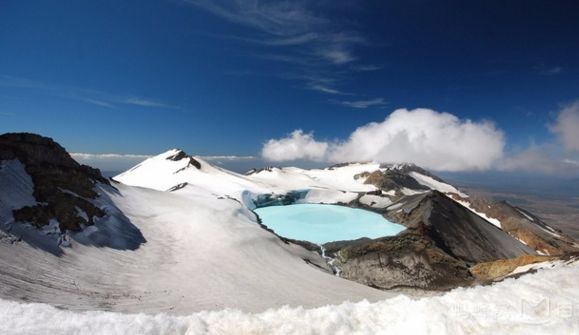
{"x":185,"y":209}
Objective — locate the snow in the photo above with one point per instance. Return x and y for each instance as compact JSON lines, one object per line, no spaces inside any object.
{"x":203,"y":252}
{"x":208,"y":267}
{"x":467,"y":205}
{"x":14,"y":177}
{"x":337,"y":178}
{"x":162,"y":174}
{"x":408,"y":191}
{"x":541,"y":265}
{"x":395,"y":206}
{"x":528,"y":305}
{"x":434,"y":184}
{"x":526,"y":215}
{"x":375,"y":201}
{"x":318,"y":196}
{"x":390,"y":193}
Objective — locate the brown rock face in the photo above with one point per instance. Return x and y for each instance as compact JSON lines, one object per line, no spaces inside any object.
{"x":61,"y":185}
{"x":391,"y":180}
{"x":410,"y":259}
{"x":497,"y":269}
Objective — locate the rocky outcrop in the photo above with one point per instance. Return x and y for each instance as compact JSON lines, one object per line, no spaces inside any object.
{"x":181,"y":155}
{"x":63,"y":199}
{"x":391,"y":180}
{"x":498,"y":269}
{"x":62,"y":187}
{"x":457,"y":230}
{"x":410,"y":259}
{"x":443,"y":240}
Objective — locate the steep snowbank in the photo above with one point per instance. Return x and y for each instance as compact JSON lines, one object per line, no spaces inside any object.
{"x":541,"y":303}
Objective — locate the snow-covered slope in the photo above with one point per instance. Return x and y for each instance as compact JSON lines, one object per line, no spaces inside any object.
{"x":540,"y":303}
{"x":173,"y":169}
{"x":202,"y":252}
{"x":383,"y":187}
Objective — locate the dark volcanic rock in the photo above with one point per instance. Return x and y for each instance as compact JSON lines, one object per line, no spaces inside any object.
{"x":391,"y":180}
{"x":178,"y":156}
{"x":256,"y":170}
{"x":443,"y":240}
{"x":409,"y":259}
{"x":61,"y":185}
{"x":460,"y":232}
{"x":66,"y":199}
{"x":182,"y":155}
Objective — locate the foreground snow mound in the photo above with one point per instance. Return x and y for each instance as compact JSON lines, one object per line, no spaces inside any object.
{"x":528,"y":305}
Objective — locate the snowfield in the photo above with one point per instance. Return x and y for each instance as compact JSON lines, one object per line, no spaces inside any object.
{"x":208,"y":267}
{"x":203,"y":252}
{"x":546,"y":302}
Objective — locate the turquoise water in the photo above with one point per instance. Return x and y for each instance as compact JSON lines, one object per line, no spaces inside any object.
{"x":325,"y":223}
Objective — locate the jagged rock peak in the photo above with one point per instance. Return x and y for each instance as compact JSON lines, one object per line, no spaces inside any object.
{"x":180,"y":154}
{"x":409,"y":167}
{"x":258,"y":170}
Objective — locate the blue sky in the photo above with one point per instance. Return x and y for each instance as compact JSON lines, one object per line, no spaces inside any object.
{"x":225,"y":77}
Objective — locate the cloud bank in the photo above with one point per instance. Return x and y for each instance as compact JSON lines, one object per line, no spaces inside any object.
{"x":296,"y":146}
{"x":438,"y":141}
{"x":567,"y":126}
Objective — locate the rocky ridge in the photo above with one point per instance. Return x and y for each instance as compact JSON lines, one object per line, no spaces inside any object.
{"x":66,"y":198}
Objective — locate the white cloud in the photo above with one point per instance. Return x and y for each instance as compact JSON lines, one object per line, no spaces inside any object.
{"x":98,"y":102}
{"x":146,"y":102}
{"x":439,"y":141}
{"x":545,"y":159}
{"x":324,"y":89}
{"x":228,"y":158}
{"x":109,"y":161}
{"x":545,"y":70}
{"x":556,"y":157}
{"x":337,"y":55}
{"x":296,"y":146}
{"x":82,"y":155}
{"x":309,"y":41}
{"x":362,"y":104}
{"x":90,"y":96}
{"x":275,"y":18}
{"x":567,"y":126}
